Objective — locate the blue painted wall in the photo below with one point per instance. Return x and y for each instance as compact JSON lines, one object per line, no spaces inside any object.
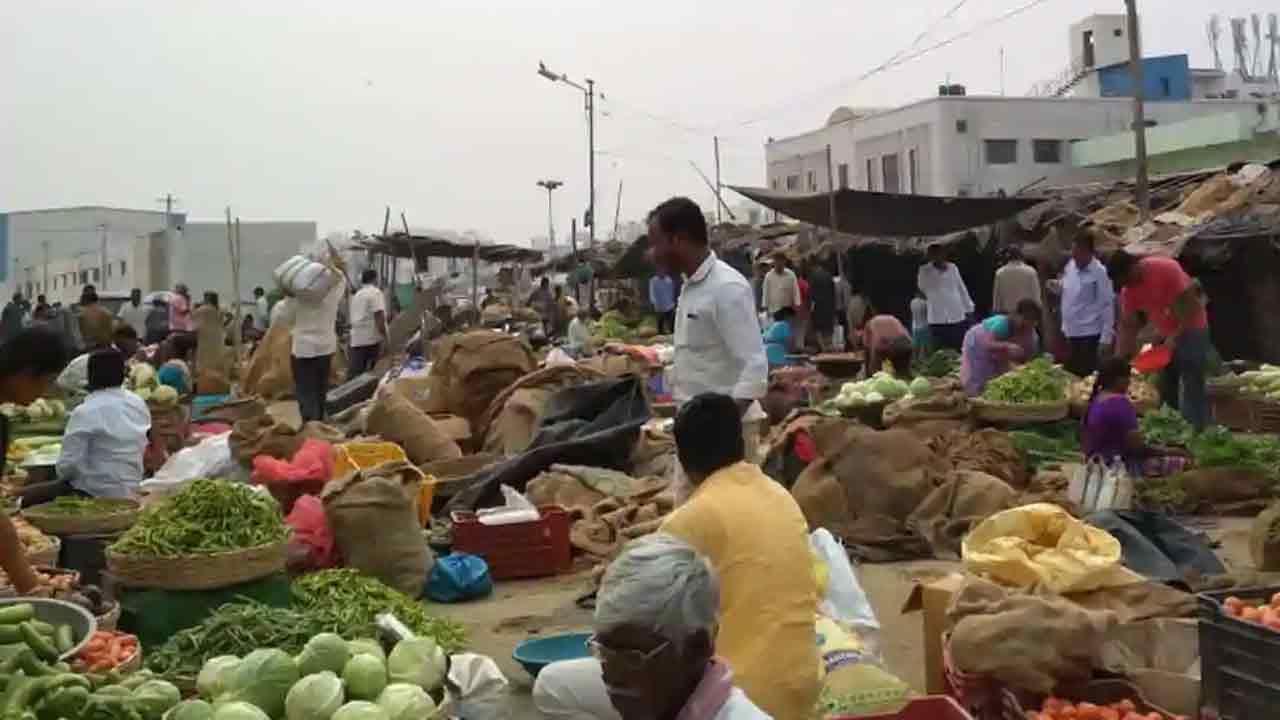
{"x":1167,"y":77}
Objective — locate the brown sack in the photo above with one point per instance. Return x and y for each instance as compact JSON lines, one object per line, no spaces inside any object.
{"x":1264,"y":540}
{"x":213,"y":366}
{"x":986,"y":451}
{"x":270,"y":375}
{"x":470,"y":369}
{"x":954,"y":507}
{"x":396,"y":420}
{"x":512,"y":418}
{"x":373,"y":515}
{"x":263,"y":435}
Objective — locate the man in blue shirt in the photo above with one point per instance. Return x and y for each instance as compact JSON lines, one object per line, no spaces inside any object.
{"x":662,"y":295}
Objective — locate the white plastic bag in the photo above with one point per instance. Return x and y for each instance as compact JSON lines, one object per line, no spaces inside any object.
{"x":476,"y":689}
{"x":845,"y":600}
{"x":211,"y":458}
{"x":1098,"y":485}
{"x":516,"y":508}
{"x":559,"y":358}
{"x":306,"y":279}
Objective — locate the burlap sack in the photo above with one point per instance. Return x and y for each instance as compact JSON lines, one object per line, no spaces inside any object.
{"x":1264,"y":540}
{"x":213,"y":363}
{"x":512,"y":418}
{"x":1025,"y":641}
{"x":169,"y":425}
{"x":395,"y":419}
{"x":262,"y":435}
{"x":946,"y":402}
{"x":373,"y":516}
{"x":986,"y":451}
{"x":270,"y":375}
{"x":956,"y":506}
{"x":470,"y":369}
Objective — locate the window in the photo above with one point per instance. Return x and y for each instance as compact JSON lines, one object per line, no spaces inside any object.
{"x":843,"y":171}
{"x":1165,"y":89}
{"x":773,"y":183}
{"x":962,"y":126}
{"x":84,"y":277}
{"x":811,"y":181}
{"x":123,"y":268}
{"x":1118,"y":32}
{"x":97,"y":277}
{"x":913,"y":171}
{"x":1001,"y":152}
{"x":889,"y":168}
{"x":1047,"y":152}
{"x":108,"y":270}
{"x":871,"y":174}
{"x":793,"y":183}
{"x":1088,"y":49}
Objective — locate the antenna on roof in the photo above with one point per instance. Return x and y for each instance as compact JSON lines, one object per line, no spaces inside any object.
{"x":1214,"y":31}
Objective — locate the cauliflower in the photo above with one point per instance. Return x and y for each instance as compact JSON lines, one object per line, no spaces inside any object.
{"x":141,"y":376}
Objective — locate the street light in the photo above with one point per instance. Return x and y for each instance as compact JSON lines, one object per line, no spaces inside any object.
{"x":590,"y":93}
{"x":550,"y":186}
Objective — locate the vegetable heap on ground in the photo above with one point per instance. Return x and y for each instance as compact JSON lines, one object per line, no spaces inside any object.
{"x":45,"y":447}
{"x":331,"y":601}
{"x":41,"y":410}
{"x":1035,"y":383}
{"x":939,"y":364}
{"x":1263,"y":382}
{"x":1219,"y":447}
{"x":329,"y":678}
{"x":205,"y":517}
{"x":879,"y":388}
{"x":144,"y":383}
{"x":1141,"y":392}
{"x":76,"y":505}
{"x":1048,"y":444}
{"x":1166,"y":426}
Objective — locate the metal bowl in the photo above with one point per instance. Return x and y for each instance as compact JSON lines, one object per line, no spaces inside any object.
{"x":57,"y":612}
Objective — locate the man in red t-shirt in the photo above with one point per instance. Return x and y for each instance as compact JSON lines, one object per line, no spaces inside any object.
{"x":1173,"y":304}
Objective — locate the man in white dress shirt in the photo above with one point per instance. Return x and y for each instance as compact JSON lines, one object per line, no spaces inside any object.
{"x":718,"y":346}
{"x":950,"y":305}
{"x":1088,"y":308}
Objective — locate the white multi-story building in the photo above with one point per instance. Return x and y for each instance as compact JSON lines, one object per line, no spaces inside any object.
{"x":955,"y":144}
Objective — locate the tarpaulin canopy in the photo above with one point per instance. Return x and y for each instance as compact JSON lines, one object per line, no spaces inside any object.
{"x":888,"y":214}
{"x":425,"y":246}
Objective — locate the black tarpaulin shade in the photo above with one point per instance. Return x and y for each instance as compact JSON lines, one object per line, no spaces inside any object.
{"x":424,"y":246}
{"x":887,"y":214}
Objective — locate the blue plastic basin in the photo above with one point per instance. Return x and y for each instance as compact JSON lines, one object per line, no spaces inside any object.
{"x":540,"y":652}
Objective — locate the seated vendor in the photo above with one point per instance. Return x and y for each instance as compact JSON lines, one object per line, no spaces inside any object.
{"x":993,"y":346}
{"x":753,"y":533}
{"x":1111,"y":421}
{"x":654,"y":644}
{"x":777,"y":338}
{"x":887,"y":339}
{"x":579,"y":343}
{"x":106,"y":435}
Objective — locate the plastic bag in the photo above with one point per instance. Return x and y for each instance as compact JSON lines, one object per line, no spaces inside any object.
{"x":313,"y":462}
{"x":211,"y":458}
{"x":476,"y":689}
{"x":843,"y":599}
{"x":1098,"y":485}
{"x":516,"y":508}
{"x":312,"y":541}
{"x":459,"y":577}
{"x":558,"y":358}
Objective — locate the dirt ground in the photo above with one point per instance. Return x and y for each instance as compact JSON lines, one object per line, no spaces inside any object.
{"x":523,"y":609}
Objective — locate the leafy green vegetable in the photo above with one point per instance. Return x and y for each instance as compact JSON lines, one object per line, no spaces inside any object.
{"x":350,"y":603}
{"x":263,"y":678}
{"x":239,"y":711}
{"x":360,"y":710}
{"x":365,"y":677}
{"x":1219,"y":447}
{"x":939,"y":364}
{"x":1048,"y":445}
{"x":205,"y":517}
{"x":314,"y":697}
{"x":326,"y":651}
{"x":366,"y":646}
{"x":1166,"y":426}
{"x":1036,"y":382}
{"x":154,"y":698}
{"x":417,"y":661}
{"x":402,"y":701}
{"x":212,"y":680}
{"x":191,"y":710}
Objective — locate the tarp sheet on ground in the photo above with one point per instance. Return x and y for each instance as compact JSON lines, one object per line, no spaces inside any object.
{"x":872,"y":213}
{"x":595,"y":424}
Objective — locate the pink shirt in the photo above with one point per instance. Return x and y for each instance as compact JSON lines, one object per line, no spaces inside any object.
{"x":179,"y":314}
{"x":882,"y":330}
{"x":1160,"y":283}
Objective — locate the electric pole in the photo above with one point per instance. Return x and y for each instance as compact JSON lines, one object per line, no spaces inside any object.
{"x":550,"y":186}
{"x":589,"y":92}
{"x":717,"y":141}
{"x":1141,"y":190}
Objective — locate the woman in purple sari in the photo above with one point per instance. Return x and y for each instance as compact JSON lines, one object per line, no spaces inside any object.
{"x":1111,"y":421}
{"x":992,"y":346}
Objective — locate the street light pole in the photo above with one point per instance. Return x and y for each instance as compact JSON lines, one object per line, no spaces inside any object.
{"x":550,"y":186}
{"x":1141,"y":191}
{"x":589,"y":92}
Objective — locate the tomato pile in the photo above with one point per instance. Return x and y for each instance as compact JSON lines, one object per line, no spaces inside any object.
{"x":1266,"y":615}
{"x":1058,"y":709}
{"x":106,"y":650}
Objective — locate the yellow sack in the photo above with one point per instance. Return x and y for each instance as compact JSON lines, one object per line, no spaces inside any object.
{"x":1042,"y":544}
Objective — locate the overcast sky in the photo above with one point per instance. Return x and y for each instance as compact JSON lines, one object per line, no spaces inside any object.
{"x":329,"y":111}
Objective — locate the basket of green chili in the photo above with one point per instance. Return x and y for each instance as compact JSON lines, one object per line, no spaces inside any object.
{"x":75,"y":515}
{"x":211,"y":534}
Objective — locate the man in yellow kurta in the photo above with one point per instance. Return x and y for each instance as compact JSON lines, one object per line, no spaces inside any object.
{"x":756,"y":538}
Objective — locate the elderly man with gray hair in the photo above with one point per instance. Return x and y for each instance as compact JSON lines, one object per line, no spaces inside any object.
{"x":654,"y":645}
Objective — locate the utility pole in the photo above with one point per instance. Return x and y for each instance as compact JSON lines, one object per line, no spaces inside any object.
{"x":589,"y":92}
{"x":1141,"y":191}
{"x":550,"y":186}
{"x":573,"y":248}
{"x":831,"y":200}
{"x":717,"y":141}
{"x":102,"y":257}
{"x":617,"y":211}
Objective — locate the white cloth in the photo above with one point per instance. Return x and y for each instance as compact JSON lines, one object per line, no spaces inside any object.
{"x":780,"y":289}
{"x":282,"y":310}
{"x":103,"y":444}
{"x":1088,"y":302}
{"x":134,"y":317}
{"x":919,"y":314}
{"x":74,"y":378}
{"x":314,"y":331}
{"x":949,"y":301}
{"x":365,"y":305}
{"x":579,"y":335}
{"x":261,"y":313}
{"x":717,"y":346}
{"x":574,"y":690}
{"x":1015,"y":282}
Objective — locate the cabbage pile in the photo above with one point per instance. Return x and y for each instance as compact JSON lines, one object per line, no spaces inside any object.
{"x":41,"y":410}
{"x":331,"y":679}
{"x":145,"y":384}
{"x":879,"y":388}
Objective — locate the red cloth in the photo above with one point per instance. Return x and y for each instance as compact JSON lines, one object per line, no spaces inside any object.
{"x":1160,"y":281}
{"x":311,"y":545}
{"x":312,"y":462}
{"x":803,"y":447}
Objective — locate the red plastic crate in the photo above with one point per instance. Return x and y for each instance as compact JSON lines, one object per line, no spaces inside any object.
{"x":519,"y":550}
{"x":935,"y":707}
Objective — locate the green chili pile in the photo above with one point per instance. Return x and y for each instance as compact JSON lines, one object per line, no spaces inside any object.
{"x":236,"y":628}
{"x":205,"y":517}
{"x":1049,"y":444}
{"x":75,"y":505}
{"x":1036,"y":382}
{"x":343,"y":598}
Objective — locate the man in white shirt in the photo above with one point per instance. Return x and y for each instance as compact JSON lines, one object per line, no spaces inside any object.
{"x":1015,"y":281}
{"x":106,"y":435}
{"x":261,"y":309}
{"x":134,"y":313}
{"x":718,"y":346}
{"x":949,"y":303}
{"x":315,"y":340}
{"x":1088,"y":308}
{"x":368,"y":325}
{"x":781,"y":287}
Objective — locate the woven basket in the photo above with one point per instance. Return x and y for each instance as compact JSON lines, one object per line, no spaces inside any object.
{"x":1006,"y":413}
{"x":47,"y":556}
{"x":60,"y":524}
{"x":197,"y":572}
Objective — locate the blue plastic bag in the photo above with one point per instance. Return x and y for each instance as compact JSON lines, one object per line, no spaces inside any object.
{"x":459,"y":577}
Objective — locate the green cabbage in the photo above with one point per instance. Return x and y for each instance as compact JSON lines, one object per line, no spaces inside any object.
{"x":154,"y":698}
{"x":239,"y":711}
{"x":360,"y":710}
{"x":262,"y":678}
{"x":314,"y":697}
{"x":165,"y":395}
{"x":365,"y":677}
{"x":418,"y":661}
{"x":190,"y":710}
{"x":325,"y":651}
{"x":921,"y":388}
{"x":874,"y":397}
{"x":212,"y":680}
{"x":367,"y":646}
{"x":406,"y":702}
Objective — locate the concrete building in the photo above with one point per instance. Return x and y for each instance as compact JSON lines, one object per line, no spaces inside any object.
{"x":56,"y":252}
{"x":955,"y":144}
